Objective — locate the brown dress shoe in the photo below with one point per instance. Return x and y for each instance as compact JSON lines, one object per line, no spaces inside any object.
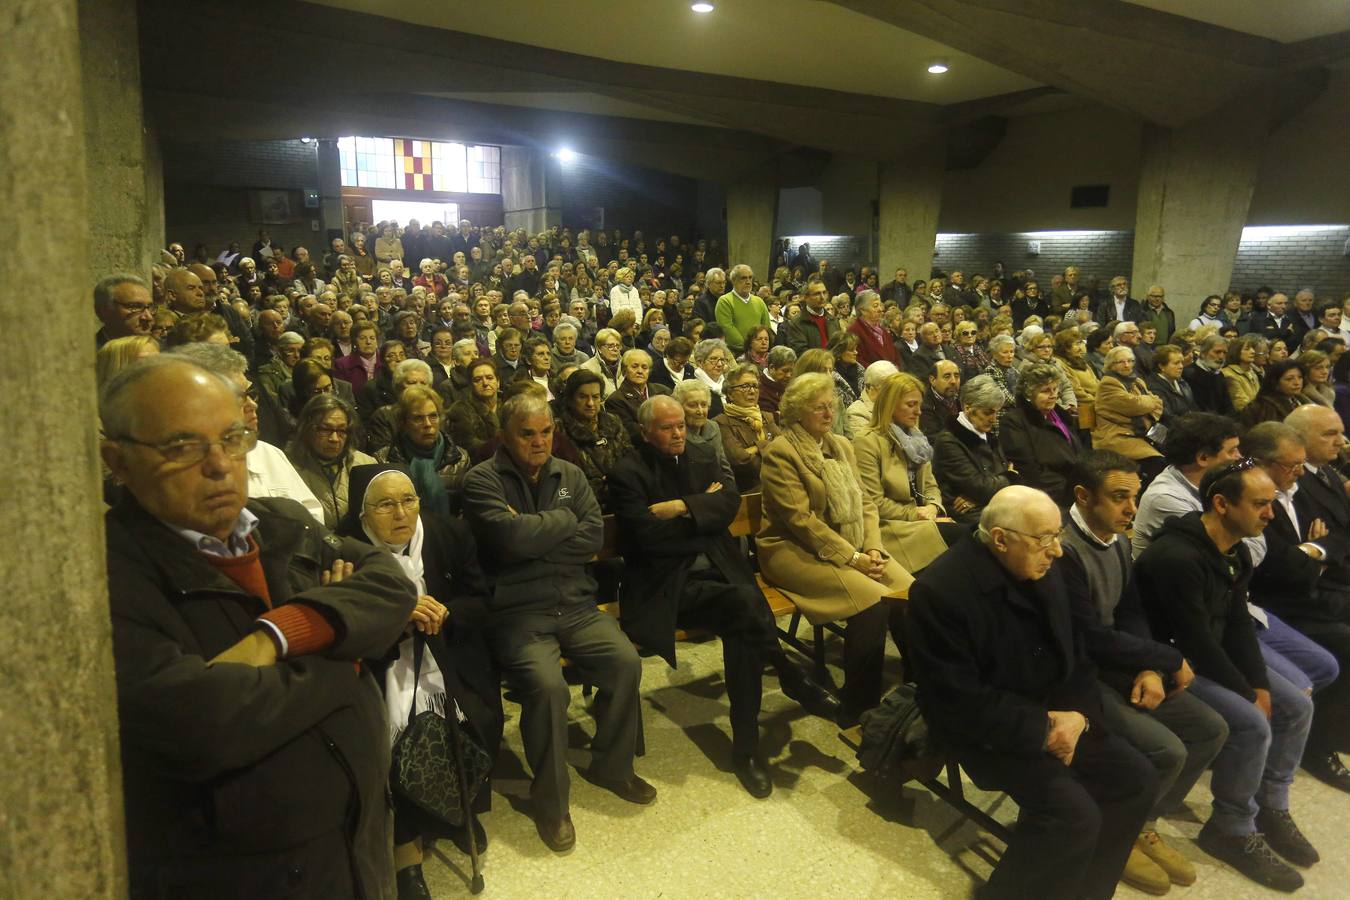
{"x":557,"y":833}
{"x":635,"y":790}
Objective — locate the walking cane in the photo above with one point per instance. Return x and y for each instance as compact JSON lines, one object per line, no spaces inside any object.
{"x":476,"y":886}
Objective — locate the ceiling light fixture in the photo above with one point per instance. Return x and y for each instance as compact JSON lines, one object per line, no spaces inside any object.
{"x":702,"y":7}
{"x":937,"y":66}
{"x":566,"y":155}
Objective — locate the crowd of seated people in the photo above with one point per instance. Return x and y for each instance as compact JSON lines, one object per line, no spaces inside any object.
{"x":1113,"y":553}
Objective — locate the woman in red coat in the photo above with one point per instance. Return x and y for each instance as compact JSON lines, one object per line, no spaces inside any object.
{"x":874,"y":341}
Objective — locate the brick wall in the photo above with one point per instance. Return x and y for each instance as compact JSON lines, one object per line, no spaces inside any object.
{"x":1288,"y":260}
{"x":207,"y":187}
{"x":1098,"y":254}
{"x":842,"y":250}
{"x":633,"y":198}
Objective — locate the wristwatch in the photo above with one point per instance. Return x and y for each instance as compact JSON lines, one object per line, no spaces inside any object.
{"x":856,"y":556}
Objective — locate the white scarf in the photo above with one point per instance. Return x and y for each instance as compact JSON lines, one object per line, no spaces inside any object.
{"x":713,"y":386}
{"x":398,"y":679}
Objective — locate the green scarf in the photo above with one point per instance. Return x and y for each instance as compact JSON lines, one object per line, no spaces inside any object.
{"x":425,"y":477}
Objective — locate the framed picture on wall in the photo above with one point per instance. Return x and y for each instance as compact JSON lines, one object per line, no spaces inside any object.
{"x":272,"y":207}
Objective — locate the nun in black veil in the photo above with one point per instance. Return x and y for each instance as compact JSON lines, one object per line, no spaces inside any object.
{"x":440,"y":557}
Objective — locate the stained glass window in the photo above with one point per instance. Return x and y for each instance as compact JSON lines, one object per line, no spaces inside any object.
{"x":409,"y":164}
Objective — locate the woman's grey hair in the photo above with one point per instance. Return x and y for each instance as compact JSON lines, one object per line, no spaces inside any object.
{"x":216,"y":358}
{"x":318,"y":408}
{"x":629,"y":355}
{"x":691,"y":386}
{"x":705,"y":348}
{"x":866,"y":299}
{"x":1001,"y":340}
{"x":463,"y":344}
{"x":1029,"y":335}
{"x":781,"y":356}
{"x":291,"y":339}
{"x":403,"y":369}
{"x":982,"y":392}
{"x":103,"y":291}
{"x":743,"y":371}
{"x":1116,"y":353}
{"x":801,"y":390}
{"x":564,"y":328}
{"x":521,"y":405}
{"x":117,"y":400}
{"x":878,"y":371}
{"x":1036,"y":377}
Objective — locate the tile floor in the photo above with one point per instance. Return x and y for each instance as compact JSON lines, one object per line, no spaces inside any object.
{"x":828,"y":830}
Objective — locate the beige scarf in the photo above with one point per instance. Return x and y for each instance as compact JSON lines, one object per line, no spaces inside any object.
{"x":749,"y":414}
{"x":843,"y":494}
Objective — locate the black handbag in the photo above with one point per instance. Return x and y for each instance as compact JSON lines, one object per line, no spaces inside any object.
{"x":437,"y":765}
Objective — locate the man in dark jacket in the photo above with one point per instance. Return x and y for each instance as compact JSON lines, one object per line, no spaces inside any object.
{"x":1143,"y":682}
{"x":813,"y":327}
{"x":1274,"y":323}
{"x":1193,"y":579}
{"x":1290,"y":583}
{"x":538,"y":525}
{"x":1208,"y":385}
{"x":1005,"y":683}
{"x":674,"y":503}
{"x":255,"y":754}
{"x":942,"y":400}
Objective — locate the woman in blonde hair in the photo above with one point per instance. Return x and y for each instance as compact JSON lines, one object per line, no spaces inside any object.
{"x":623,"y":295}
{"x":119,"y":353}
{"x":821,"y":543}
{"x":895,"y":466}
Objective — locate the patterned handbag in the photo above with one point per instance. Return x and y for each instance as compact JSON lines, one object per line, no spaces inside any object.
{"x":426,"y":754}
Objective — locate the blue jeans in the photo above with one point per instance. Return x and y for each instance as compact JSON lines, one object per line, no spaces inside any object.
{"x":1296,"y":656}
{"x":1257,"y":764}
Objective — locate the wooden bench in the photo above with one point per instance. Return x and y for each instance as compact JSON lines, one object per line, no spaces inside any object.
{"x":925,"y":772}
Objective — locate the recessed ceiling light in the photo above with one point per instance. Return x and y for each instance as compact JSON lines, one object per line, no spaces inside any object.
{"x":566,"y":154}
{"x":937,"y":66}
{"x":702,"y":7}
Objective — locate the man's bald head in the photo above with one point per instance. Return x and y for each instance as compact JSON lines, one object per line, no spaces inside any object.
{"x":184,"y":292}
{"x":1322,"y":431}
{"x":1021,"y":527}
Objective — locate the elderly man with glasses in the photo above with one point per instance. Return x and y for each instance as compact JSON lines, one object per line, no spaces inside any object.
{"x":255,"y":754}
{"x":1005,"y":681}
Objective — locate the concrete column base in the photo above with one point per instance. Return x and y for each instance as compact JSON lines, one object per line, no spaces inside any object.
{"x":752,"y":210}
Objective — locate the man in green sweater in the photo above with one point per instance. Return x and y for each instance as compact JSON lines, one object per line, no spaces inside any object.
{"x":740,"y":310}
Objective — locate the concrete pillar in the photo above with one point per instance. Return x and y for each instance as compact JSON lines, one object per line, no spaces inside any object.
{"x":531,"y":189}
{"x":126,"y":209}
{"x":752,"y":210}
{"x":1195,"y":187}
{"x":61,"y":826}
{"x":331,"y":215}
{"x":909,"y":195}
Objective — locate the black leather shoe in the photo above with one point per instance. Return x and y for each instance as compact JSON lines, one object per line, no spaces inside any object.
{"x":411,"y":884}
{"x":752,"y":775}
{"x":1252,"y":856}
{"x":1284,"y":838}
{"x":1327,"y":768}
{"x":634,"y":791}
{"x":557,"y":833}
{"x":810,"y":696}
{"x":460,"y":836}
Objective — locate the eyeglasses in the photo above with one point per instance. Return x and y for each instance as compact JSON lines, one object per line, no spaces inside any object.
{"x":821,"y":409}
{"x":748,"y":386}
{"x":133,"y":309}
{"x":235,"y":444}
{"x":326,"y":431}
{"x":408,"y":503}
{"x":1292,"y":469}
{"x":1219,"y":474}
{"x":1042,"y":541}
{"x":425,"y":419}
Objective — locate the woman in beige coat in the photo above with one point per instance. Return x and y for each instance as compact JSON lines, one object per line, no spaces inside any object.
{"x":1126,"y":409}
{"x":895,"y":465}
{"x":821,"y":540}
{"x":746,"y":429}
